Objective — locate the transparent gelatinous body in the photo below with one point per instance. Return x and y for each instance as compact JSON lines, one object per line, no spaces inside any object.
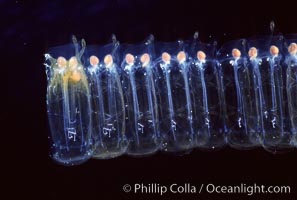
{"x":207,"y":98}
{"x":174,"y":100}
{"x":276,"y":133}
{"x":291,"y":85}
{"x":142,"y":118}
{"x":239,"y":94}
{"x":107,"y":103}
{"x":257,"y":96}
{"x":68,"y":107}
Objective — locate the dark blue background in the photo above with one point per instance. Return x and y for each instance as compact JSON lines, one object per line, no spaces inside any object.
{"x":29,"y":28}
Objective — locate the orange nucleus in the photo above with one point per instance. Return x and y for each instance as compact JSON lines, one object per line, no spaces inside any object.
{"x":94,"y":60}
{"x":166,"y":57}
{"x":274,"y":50}
{"x":108,"y":60}
{"x":253,"y":53}
{"x":73,"y":62}
{"x":292,"y":48}
{"x":75,"y":76}
{"x":181,"y":56}
{"x":201,"y":56}
{"x":145,"y":59}
{"x":129,"y":59}
{"x":62,"y":62}
{"x":236,"y":53}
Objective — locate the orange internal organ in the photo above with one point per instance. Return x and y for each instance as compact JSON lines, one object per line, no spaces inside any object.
{"x":274,"y":50}
{"x":253,"y":53}
{"x":94,"y":60}
{"x":129,"y":59}
{"x":201,"y":56}
{"x":166,"y":57}
{"x":181,"y":56}
{"x":145,"y":59}
{"x":108,"y":61}
{"x":236,"y":53}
